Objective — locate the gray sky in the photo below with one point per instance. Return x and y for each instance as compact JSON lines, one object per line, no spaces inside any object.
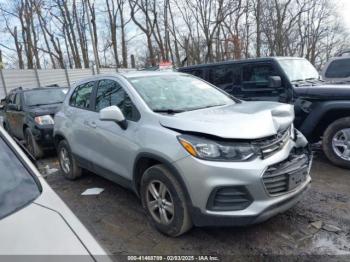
{"x":344,"y":10}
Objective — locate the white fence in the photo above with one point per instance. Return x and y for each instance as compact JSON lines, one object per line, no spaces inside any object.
{"x":29,"y":78}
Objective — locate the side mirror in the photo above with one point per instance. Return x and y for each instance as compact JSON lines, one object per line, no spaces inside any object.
{"x":275,"y":82}
{"x":113,"y":113}
{"x":2,"y":104}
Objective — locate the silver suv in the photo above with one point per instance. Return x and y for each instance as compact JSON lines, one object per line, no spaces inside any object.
{"x":194,"y":154}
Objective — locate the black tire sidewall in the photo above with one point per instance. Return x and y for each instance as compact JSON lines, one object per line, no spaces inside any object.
{"x":327,"y":141}
{"x":156,"y":173}
{"x":36,"y":150}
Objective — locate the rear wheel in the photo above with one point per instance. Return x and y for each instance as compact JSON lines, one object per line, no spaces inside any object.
{"x":336,"y":142}
{"x":68,"y":164}
{"x":164,"y":201}
{"x":32,"y":145}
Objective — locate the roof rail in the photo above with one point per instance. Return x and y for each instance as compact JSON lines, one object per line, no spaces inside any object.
{"x":343,"y":53}
{"x":16,"y":89}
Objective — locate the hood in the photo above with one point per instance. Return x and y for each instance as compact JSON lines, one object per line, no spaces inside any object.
{"x":36,"y":230}
{"x":324,"y":91}
{"x":45,"y":109}
{"x":246,"y":120}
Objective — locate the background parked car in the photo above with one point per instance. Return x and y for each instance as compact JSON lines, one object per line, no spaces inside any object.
{"x":322,"y":109}
{"x":33,"y":219}
{"x":28,"y":115}
{"x":337,"y":68}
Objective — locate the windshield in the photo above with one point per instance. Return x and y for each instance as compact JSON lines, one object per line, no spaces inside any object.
{"x":17,"y":186}
{"x":178,"y":93}
{"x":299,"y":69}
{"x":45,"y":97}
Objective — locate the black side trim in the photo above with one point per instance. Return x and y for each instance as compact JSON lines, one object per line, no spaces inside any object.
{"x":103,"y":172}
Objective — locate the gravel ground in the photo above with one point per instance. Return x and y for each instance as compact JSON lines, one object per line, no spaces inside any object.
{"x":318,"y":225}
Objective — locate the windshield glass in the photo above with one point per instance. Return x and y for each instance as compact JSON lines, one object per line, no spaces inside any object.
{"x":299,"y":69}
{"x":17,"y":186}
{"x":45,"y":97}
{"x":178,"y":93}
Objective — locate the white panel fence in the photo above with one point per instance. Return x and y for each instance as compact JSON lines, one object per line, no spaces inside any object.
{"x":30,"y":78}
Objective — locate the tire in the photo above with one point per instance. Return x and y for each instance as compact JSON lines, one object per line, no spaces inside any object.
{"x":68,"y":164}
{"x":336,"y":142}
{"x":180,"y":221}
{"x":32,"y":145}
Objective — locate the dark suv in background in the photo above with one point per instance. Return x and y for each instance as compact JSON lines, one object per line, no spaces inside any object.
{"x":322,"y":109}
{"x":28,"y":115}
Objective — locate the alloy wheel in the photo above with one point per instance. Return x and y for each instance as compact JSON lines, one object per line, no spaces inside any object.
{"x":341,"y":144}
{"x":64,"y":160}
{"x":160,"y":202}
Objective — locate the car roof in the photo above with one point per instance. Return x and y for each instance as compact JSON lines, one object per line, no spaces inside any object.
{"x":250,"y":60}
{"x":21,"y":90}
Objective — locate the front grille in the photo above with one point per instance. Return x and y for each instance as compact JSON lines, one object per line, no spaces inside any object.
{"x":229,"y":199}
{"x":287,"y":175}
{"x":269,"y":146}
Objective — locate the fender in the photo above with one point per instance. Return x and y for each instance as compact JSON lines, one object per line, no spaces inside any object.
{"x":170,"y":166}
{"x":312,"y":120}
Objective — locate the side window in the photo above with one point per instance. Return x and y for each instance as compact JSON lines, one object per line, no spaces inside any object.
{"x":197,"y":72}
{"x":18,"y":99}
{"x":226,"y":76}
{"x":10,"y":99}
{"x":338,"y":69}
{"x":257,"y":75}
{"x":110,"y":93}
{"x":82,"y":95}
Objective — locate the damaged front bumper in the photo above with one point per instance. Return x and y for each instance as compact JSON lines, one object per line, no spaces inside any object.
{"x":227,"y":193}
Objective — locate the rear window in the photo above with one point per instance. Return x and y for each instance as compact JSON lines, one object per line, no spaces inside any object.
{"x":338,"y":69}
{"x":17,"y":187}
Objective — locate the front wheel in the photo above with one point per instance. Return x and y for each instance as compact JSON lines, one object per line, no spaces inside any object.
{"x":164,"y":201}
{"x":336,"y":142}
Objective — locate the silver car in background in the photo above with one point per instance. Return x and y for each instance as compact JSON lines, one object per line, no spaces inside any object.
{"x":33,"y":219}
{"x":194,"y":154}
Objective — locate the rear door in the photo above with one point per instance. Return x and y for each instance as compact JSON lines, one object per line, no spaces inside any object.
{"x":81,"y":116}
{"x":18,"y":117}
{"x":114,"y":149}
{"x":227,"y":77}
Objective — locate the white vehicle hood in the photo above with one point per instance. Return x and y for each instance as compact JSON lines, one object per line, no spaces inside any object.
{"x":39,"y":231}
{"x":246,"y":120}
{"x":47,"y":227}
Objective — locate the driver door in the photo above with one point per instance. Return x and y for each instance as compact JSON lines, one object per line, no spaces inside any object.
{"x":255,"y":82}
{"x":114,"y":150}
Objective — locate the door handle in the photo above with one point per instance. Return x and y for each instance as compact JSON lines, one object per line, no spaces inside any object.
{"x":92,"y":124}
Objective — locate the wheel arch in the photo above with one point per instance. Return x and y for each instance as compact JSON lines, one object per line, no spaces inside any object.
{"x":58,"y":137}
{"x":322,"y":116}
{"x":145,"y":160}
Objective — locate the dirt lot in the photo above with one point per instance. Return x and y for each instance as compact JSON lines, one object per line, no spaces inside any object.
{"x":116,"y":219}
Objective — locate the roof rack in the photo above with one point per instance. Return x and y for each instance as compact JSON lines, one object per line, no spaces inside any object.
{"x":16,"y":89}
{"x":345,"y":52}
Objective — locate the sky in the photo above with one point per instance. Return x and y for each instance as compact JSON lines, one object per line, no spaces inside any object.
{"x":344,"y":11}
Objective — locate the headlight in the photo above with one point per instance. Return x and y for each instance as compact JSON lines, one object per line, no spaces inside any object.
{"x":44,"y":120}
{"x":217,"y":151}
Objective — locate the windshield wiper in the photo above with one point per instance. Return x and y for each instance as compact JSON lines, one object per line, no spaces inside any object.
{"x":199,"y":108}
{"x":168,"y":111}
